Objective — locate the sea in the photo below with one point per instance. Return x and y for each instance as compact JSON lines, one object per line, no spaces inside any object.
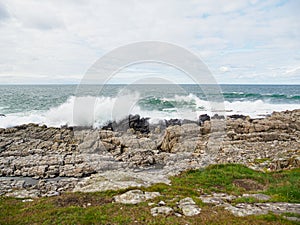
{"x":96,"y":105}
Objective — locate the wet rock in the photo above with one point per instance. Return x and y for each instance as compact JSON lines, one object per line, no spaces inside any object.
{"x":172,"y":122}
{"x":138,"y":123}
{"x":218,"y":117}
{"x":237,"y":116}
{"x":109,"y":126}
{"x":203,"y":118}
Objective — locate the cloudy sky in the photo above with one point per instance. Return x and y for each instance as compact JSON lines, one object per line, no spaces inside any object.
{"x":243,"y":41}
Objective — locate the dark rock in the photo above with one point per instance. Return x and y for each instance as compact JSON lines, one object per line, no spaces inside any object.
{"x":203,"y":118}
{"x":218,"y":117}
{"x":185,"y":121}
{"x":109,"y":126}
{"x":173,"y":122}
{"x":237,"y":116}
{"x":139,"y":124}
{"x":2,"y":115}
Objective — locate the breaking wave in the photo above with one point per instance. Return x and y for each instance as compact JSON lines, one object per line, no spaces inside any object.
{"x":96,"y":111}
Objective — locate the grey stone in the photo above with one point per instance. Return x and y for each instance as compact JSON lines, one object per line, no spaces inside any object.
{"x":217,"y":198}
{"x":261,"y":197}
{"x":24,"y":194}
{"x":135,"y":197}
{"x":189,"y":207}
{"x":162,"y":210}
{"x":161,"y":203}
{"x":246,"y":209}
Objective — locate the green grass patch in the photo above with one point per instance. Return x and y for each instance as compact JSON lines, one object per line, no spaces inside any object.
{"x":285,"y":186}
{"x":223,"y":178}
{"x":98,"y":208}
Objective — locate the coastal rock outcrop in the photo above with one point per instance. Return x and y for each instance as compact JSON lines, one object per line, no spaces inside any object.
{"x":41,"y":161}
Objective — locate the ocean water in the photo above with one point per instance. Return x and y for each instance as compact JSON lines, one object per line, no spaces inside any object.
{"x":53,"y":105}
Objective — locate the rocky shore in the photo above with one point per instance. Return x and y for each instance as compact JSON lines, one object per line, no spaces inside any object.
{"x":40,"y":161}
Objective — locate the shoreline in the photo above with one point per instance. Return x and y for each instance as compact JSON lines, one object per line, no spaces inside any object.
{"x":152,"y":124}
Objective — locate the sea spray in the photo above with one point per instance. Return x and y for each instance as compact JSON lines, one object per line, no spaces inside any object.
{"x":53,"y":105}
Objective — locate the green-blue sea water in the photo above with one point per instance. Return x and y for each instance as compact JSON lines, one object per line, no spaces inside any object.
{"x":54,"y":104}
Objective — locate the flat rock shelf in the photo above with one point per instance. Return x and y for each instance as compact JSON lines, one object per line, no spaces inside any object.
{"x":40,"y":161}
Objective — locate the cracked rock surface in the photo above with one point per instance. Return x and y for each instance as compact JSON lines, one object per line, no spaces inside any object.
{"x":44,"y":161}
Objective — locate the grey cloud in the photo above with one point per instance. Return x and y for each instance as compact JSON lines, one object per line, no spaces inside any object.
{"x":4,"y":14}
{"x":36,"y":14}
{"x":45,"y":25}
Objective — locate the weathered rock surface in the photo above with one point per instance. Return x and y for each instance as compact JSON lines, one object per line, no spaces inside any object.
{"x":69,"y":159}
{"x":135,"y":196}
{"x":162,"y":210}
{"x":188,"y":207}
{"x":260,"y":197}
{"x":247,"y":209}
{"x":114,"y":180}
{"x":217,"y":198}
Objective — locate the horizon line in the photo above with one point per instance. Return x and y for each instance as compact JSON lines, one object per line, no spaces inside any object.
{"x":17,"y":84}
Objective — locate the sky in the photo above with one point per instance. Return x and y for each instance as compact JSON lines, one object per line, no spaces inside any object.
{"x":242,"y":41}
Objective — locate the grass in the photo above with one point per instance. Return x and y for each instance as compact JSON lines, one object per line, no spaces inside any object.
{"x":257,"y":161}
{"x":98,"y":208}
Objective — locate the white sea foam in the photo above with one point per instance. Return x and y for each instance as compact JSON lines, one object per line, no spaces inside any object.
{"x":97,"y":111}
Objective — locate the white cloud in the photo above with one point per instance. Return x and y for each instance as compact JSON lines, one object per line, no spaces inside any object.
{"x":224,"y":69}
{"x":293,"y":72}
{"x":61,"y":39}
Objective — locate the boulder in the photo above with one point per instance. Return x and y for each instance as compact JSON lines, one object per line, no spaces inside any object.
{"x":203,"y":118}
{"x":138,"y":123}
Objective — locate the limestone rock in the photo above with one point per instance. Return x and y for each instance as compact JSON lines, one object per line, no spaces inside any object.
{"x":189,"y":207}
{"x":135,"y":197}
{"x":86,"y":159}
{"x":217,"y":198}
{"x":162,"y":210}
{"x":246,"y":209}
{"x":260,"y":197}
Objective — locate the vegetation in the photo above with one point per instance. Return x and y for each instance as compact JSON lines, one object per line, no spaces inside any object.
{"x":98,"y":208}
